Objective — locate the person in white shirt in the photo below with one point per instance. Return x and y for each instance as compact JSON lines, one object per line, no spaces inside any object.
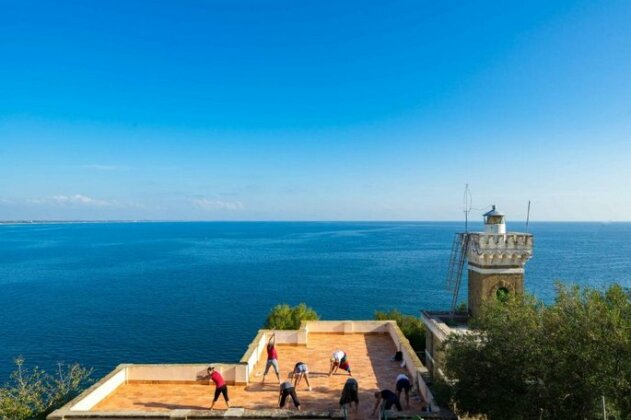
{"x":339,"y":359}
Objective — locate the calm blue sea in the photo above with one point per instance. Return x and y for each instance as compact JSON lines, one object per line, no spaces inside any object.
{"x":108,"y":293}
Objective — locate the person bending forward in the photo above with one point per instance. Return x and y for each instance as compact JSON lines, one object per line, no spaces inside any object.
{"x":287,"y":389}
{"x":387,"y":398}
{"x":301,"y":370}
{"x":339,"y":359}
{"x":403,"y":384}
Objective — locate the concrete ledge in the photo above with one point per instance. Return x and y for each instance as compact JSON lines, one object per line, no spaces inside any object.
{"x":265,"y":414}
{"x":92,"y":395}
{"x":197,"y":382}
{"x":233,"y":373}
{"x":439,"y":415}
{"x":105,"y":415}
{"x":345,"y":327}
{"x":196,"y":414}
{"x":413,"y":364}
{"x":243,"y":414}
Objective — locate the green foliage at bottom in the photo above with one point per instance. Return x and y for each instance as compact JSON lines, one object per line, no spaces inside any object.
{"x":33,"y":394}
{"x":530,"y":360}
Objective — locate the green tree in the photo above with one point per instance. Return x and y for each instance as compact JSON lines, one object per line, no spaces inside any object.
{"x":35,"y":394}
{"x":285,"y":317}
{"x":411,"y":326}
{"x":499,"y":363}
{"x":528,"y":360}
{"x":588,"y":346}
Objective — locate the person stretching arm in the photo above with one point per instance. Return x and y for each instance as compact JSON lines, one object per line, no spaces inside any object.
{"x":220,"y":386}
{"x":272,"y":358}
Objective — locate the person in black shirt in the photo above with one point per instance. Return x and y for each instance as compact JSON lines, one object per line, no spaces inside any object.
{"x":287,"y":389}
{"x":388,"y":399}
{"x":350,"y":394}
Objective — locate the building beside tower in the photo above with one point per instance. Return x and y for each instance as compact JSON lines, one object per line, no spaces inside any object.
{"x":495,"y":269}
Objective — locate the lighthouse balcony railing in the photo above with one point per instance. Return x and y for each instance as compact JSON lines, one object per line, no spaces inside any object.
{"x":502,"y":241}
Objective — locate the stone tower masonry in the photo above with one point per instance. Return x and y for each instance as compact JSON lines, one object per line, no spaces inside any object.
{"x":496,"y":261}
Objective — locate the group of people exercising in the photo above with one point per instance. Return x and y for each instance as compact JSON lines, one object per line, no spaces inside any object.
{"x":339,"y":360}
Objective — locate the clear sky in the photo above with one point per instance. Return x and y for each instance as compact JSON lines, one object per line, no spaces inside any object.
{"x":314,"y":110}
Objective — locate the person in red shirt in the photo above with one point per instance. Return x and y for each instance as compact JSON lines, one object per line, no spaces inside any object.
{"x":272,"y":358}
{"x":220,"y":386}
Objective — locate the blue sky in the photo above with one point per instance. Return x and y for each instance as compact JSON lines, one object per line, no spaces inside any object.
{"x":312,"y":110}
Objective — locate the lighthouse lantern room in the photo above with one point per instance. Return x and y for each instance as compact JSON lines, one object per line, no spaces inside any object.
{"x":494,"y":222}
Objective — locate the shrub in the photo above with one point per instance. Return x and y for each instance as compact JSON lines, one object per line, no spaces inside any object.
{"x":285,"y":317}
{"x":556,"y":361}
{"x":35,"y":394}
{"x":411,"y":326}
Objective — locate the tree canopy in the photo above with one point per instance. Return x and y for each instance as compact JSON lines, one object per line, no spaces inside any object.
{"x":528,"y":360}
{"x":285,"y":317}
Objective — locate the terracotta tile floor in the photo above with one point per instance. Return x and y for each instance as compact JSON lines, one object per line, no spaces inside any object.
{"x":369,"y":356}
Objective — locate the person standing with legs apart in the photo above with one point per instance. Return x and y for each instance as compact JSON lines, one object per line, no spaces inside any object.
{"x":272,"y":358}
{"x":220,"y":386}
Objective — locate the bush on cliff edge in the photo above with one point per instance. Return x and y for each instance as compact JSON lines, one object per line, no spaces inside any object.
{"x":285,"y":317}
{"x":33,"y":394}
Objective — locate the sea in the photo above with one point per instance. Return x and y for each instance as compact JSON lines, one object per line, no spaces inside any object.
{"x":102,"y":294}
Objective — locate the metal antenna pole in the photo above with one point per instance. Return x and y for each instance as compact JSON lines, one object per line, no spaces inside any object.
{"x":528,"y":216}
{"x":466,"y":206}
{"x":466,"y":221}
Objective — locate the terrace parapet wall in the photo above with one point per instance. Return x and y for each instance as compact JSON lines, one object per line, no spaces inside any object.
{"x":237,"y":374}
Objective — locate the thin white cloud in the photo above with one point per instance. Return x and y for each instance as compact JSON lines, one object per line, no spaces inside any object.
{"x":72,"y":200}
{"x":80,"y":200}
{"x":206,"y":204}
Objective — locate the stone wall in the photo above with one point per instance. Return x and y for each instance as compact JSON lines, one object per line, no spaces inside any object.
{"x":483,"y":287}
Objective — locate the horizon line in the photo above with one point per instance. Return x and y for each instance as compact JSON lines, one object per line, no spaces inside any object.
{"x":70,"y":221}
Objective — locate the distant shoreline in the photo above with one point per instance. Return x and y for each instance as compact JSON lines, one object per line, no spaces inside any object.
{"x":68,"y":222}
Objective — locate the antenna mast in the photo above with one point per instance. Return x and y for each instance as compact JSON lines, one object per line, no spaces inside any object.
{"x":528,"y":216}
{"x":466,"y":206}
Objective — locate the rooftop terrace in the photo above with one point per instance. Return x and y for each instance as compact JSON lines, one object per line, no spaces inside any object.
{"x":182,"y":391}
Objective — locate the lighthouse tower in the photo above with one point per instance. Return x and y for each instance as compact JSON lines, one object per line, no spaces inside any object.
{"x":496,"y":261}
